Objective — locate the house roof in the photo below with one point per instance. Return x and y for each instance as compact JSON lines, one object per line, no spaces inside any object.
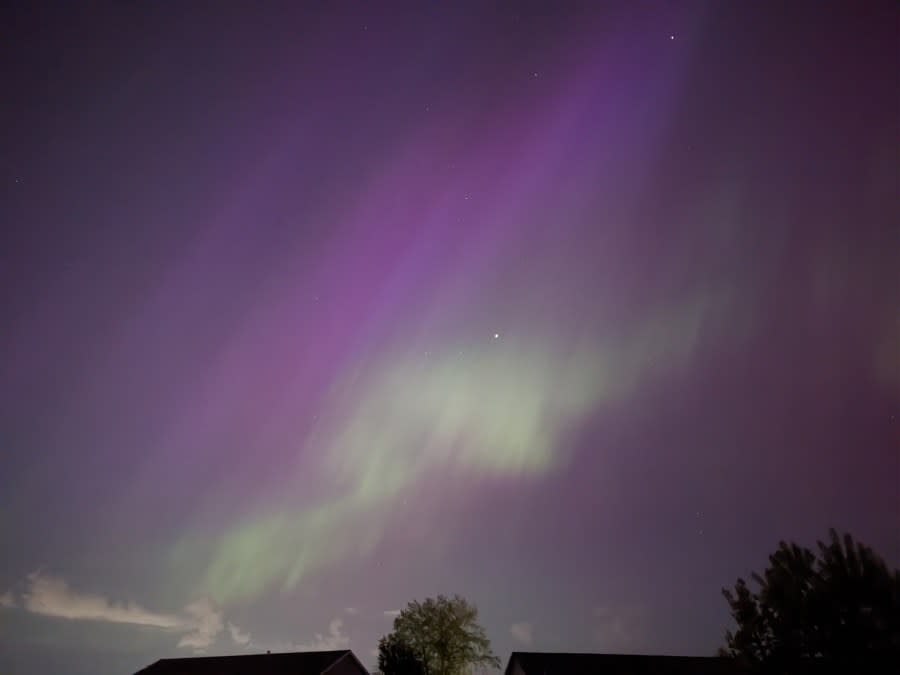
{"x":296,"y":663}
{"x":561,"y":663}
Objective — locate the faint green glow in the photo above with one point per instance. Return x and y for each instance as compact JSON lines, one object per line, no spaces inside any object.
{"x":502,"y":409}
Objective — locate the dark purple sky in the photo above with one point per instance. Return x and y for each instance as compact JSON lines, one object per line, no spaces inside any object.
{"x":309,"y":312}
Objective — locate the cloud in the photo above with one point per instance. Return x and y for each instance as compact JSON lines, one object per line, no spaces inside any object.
{"x":238,"y":636}
{"x":7,"y":600}
{"x":335,"y":639}
{"x":51,"y":596}
{"x":352,"y":611}
{"x":522,"y":631}
{"x":392,"y":613}
{"x":206,"y":623}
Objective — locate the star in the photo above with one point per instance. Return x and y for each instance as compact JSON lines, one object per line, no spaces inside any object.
{"x":496,"y":336}
{"x":671,"y":37}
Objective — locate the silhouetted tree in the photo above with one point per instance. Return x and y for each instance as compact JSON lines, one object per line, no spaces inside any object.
{"x":444,"y":636}
{"x":842,"y":607}
{"x":395,"y":657}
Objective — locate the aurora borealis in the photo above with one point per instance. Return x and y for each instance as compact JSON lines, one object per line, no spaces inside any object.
{"x":574,"y":309}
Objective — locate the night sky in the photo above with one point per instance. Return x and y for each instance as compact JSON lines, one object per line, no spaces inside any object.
{"x":307,"y":311}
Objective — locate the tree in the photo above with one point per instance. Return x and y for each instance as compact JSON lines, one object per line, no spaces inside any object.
{"x":395,"y":657}
{"x":842,"y":607}
{"x":442,"y":634}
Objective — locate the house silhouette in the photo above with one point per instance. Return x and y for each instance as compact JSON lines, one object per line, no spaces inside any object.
{"x":340,"y":662}
{"x":564,"y":663}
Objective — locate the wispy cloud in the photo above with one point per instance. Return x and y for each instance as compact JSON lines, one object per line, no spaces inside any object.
{"x":238,"y":636}
{"x":335,"y":639}
{"x":392,"y":612}
{"x":523,"y":632}
{"x":51,"y":596}
{"x":7,"y":600}
{"x":206,"y":623}
{"x":352,"y":611}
